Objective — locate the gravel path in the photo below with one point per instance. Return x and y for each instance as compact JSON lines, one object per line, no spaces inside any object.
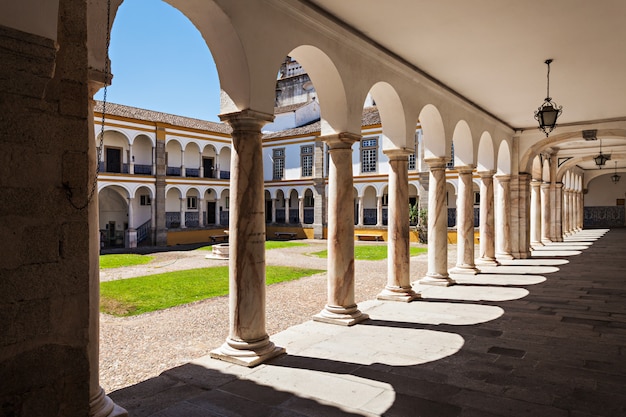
{"x":133,"y":349}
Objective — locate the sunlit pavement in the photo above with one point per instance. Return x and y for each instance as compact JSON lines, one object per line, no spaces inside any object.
{"x":540,"y":337}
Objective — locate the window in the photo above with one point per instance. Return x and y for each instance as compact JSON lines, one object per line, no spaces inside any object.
{"x":450,"y":165}
{"x":279,"y":163}
{"x":192,"y":203}
{"x":369,"y":155}
{"x":145,"y":200}
{"x":306,"y":160}
{"x":309,"y":201}
{"x":412,"y":165}
{"x":412,"y":162}
{"x":385,"y":200}
{"x":227,"y":203}
{"x":476,"y":198}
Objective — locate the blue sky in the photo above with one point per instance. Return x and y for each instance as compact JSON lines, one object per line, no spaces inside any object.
{"x":160,"y":62}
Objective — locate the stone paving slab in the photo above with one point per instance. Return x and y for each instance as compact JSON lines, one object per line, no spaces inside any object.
{"x":537,"y":337}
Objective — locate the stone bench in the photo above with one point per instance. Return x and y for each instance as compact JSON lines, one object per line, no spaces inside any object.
{"x":369,"y":237}
{"x":285,"y":235}
{"x":219,"y":238}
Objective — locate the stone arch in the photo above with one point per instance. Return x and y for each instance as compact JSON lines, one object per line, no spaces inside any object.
{"x":536,"y":171}
{"x":463,"y":145}
{"x":486,"y":155}
{"x":223,"y":165}
{"x":504,"y":159}
{"x":397,"y":131}
{"x":435,"y":143}
{"x":545,"y":171}
{"x":329,"y":87}
{"x":113,"y":214}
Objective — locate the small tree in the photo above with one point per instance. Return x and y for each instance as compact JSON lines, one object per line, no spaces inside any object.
{"x":422,"y":226}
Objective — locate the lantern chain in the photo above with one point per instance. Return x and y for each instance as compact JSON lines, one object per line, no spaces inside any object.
{"x":107,"y":71}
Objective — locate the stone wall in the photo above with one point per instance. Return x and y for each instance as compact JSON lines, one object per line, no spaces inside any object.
{"x":45,"y":256}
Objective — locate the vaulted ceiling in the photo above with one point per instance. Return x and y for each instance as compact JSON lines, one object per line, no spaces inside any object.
{"x":492,"y":52}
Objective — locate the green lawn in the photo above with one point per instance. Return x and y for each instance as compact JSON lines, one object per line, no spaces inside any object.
{"x":371,"y":252}
{"x":117,"y":261}
{"x":271,"y":244}
{"x":129,"y":297}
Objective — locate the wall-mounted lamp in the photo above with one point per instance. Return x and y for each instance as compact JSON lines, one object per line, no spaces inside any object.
{"x":601,"y":158}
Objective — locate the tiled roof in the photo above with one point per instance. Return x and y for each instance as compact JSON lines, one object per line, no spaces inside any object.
{"x":289,"y":108}
{"x":370,"y":117}
{"x":155,"y":116}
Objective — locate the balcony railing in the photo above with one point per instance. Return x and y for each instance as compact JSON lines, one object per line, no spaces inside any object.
{"x":309,"y":215}
{"x":280,"y":215}
{"x":143,"y":169}
{"x":172,"y":219}
{"x":143,"y":231}
{"x":225,"y":175}
{"x":192,"y":219}
{"x":173,"y":171}
{"x":192,"y":172}
{"x":370,"y":216}
{"x":224,"y":218}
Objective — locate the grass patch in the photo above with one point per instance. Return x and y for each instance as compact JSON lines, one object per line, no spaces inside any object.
{"x":118,"y":261}
{"x":371,"y":252}
{"x":133,"y":296}
{"x":271,"y":244}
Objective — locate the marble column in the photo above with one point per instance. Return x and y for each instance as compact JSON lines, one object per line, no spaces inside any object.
{"x":154,"y":168}
{"x":200,"y":212}
{"x":131,"y":160}
{"x":379,"y":211}
{"x":201,"y":170}
{"x":487,"y":235}
{"x":580,"y":207}
{"x":341,"y":307}
{"x":573,"y":227}
{"x":503,"y":211}
{"x":557,"y":221}
{"x":535,"y":213}
{"x":398,"y":286}
{"x":361,"y":211}
{"x":274,"y":200}
{"x":287,"y":209}
{"x":183,"y":210}
{"x":183,"y":171}
{"x":437,"y":225}
{"x":566,"y":212}
{"x":131,"y":232}
{"x":100,"y":405}
{"x":465,"y":223}
{"x":218,"y":219}
{"x":301,"y":209}
{"x":248,"y":343}
{"x":545,"y":212}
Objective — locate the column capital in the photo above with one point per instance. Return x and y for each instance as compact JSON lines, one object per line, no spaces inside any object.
{"x":486,"y":174}
{"x":436,"y":163}
{"x":503,"y":177}
{"x":398,"y":154}
{"x":343,"y":140}
{"x":465,"y":169}
{"x":247,"y":119}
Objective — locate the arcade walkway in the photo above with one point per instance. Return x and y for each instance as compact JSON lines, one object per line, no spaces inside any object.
{"x":538,"y":337}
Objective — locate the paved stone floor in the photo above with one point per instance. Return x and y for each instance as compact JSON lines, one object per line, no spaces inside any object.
{"x":538,"y":337}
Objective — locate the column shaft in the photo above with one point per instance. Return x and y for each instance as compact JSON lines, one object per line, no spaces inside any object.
{"x":465,"y":223}
{"x":545,"y":212}
{"x":398,"y":247}
{"x":503,"y":230}
{"x":535,"y":213}
{"x":248,"y":343}
{"x":437,"y":225}
{"x":487,"y":251}
{"x":341,"y":307}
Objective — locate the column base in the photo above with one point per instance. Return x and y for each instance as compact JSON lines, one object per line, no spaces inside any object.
{"x":401,"y":294}
{"x":248,"y":354}
{"x":343,"y":316}
{"x":438,"y":280}
{"x":487,"y":262}
{"x":103,"y":406}
{"x":536,"y":244}
{"x":465,"y":269}
{"x":504,"y":256}
{"x":546,"y":241}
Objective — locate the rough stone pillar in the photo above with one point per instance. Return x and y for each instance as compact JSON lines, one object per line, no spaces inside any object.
{"x":487,"y":251}
{"x":545,"y":212}
{"x":379,"y":211}
{"x":398,"y":247}
{"x":160,"y":182}
{"x":183,"y":210}
{"x":503,"y":211}
{"x":248,"y":343}
{"x":535,"y":213}
{"x":274,"y":210}
{"x":557,"y":224}
{"x":465,"y":223}
{"x":341,"y":307}
{"x":437,"y":225}
{"x":154,"y":168}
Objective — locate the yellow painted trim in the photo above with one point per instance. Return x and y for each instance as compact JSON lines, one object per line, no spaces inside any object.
{"x":289,"y":140}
